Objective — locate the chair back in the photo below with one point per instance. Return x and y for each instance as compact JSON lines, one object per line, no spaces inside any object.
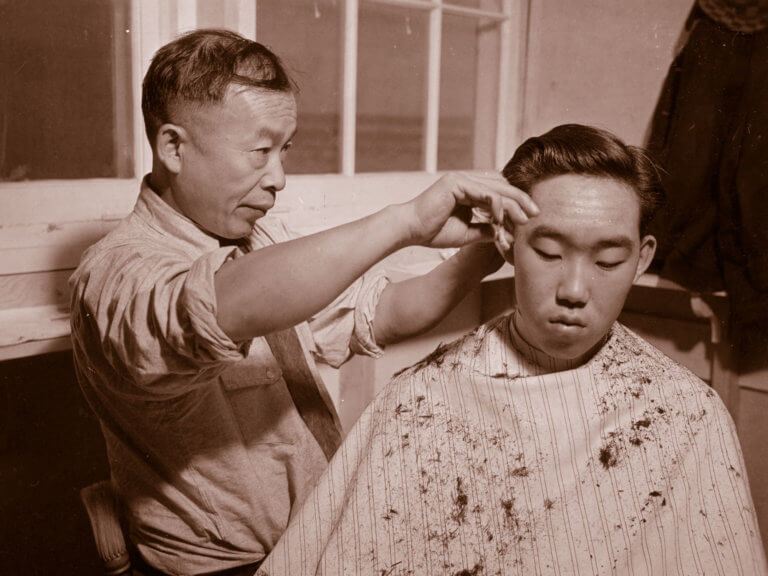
{"x":103,"y":509}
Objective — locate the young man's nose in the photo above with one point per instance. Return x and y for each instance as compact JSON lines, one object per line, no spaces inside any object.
{"x":573,"y":289}
{"x":274,"y":175}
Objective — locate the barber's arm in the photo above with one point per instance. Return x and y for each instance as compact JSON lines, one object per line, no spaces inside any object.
{"x":415,"y":305}
{"x":281,"y":285}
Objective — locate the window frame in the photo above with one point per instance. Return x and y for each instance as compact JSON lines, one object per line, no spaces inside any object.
{"x":504,"y":18}
{"x":46,"y":224}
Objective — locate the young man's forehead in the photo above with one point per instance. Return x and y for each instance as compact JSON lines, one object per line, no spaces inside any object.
{"x":572,"y":202}
{"x":576,"y":181}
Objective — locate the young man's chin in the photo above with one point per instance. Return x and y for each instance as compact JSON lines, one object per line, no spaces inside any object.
{"x":572,"y":350}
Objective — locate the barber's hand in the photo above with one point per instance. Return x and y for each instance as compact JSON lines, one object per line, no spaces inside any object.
{"x":441,"y":216}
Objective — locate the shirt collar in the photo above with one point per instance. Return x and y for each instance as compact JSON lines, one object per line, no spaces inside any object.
{"x":161,"y":216}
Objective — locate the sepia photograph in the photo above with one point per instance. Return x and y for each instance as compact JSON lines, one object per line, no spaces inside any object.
{"x":383,"y":287}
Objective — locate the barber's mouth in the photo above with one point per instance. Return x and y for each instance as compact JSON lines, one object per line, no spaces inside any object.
{"x":259,"y":209}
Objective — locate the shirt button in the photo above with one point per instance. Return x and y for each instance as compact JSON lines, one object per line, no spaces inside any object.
{"x":270,"y":373}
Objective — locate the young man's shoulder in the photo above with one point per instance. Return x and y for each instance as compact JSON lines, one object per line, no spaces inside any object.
{"x":626,"y":340}
{"x":658,"y":370}
{"x":460,"y":351}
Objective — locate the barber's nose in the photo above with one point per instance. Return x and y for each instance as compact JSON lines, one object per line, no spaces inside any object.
{"x":573,"y":289}
{"x":274,"y":175}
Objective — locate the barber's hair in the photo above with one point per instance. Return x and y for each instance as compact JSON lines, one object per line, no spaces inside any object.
{"x":198,"y":67}
{"x":589,"y":151}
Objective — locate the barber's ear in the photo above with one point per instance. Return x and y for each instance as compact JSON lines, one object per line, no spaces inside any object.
{"x":647,"y":250}
{"x":169,"y":141}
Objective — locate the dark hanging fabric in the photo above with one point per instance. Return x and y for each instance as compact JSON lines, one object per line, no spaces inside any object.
{"x":710,"y":136}
{"x":738,"y":15}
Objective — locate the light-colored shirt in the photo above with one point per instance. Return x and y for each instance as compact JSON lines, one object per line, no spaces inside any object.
{"x":205,"y":445}
{"x":489,"y":457}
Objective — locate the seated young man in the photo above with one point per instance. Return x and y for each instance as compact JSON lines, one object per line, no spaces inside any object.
{"x":551,"y":440}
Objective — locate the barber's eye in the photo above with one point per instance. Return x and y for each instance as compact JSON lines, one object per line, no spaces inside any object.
{"x":546,"y":256}
{"x":288,"y":146}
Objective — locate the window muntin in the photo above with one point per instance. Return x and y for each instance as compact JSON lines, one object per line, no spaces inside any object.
{"x":490,"y":5}
{"x":458,"y":87}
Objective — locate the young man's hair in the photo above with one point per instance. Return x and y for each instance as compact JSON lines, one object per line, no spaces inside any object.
{"x":198,"y":67}
{"x":589,"y":151}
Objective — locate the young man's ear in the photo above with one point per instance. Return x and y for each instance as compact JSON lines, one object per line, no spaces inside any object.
{"x":168,"y":142}
{"x":509,"y":255}
{"x":647,"y":250}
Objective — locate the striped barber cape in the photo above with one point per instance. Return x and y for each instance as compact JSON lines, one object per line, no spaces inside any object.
{"x":490,"y":458}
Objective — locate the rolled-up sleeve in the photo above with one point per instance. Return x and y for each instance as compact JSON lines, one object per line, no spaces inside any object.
{"x":345,"y":327}
{"x":198,"y":302}
{"x":155,"y":317}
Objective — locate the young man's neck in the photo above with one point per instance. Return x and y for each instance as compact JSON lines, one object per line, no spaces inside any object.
{"x":542,"y":358}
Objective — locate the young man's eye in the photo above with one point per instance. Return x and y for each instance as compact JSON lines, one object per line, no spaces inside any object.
{"x":546,"y":256}
{"x":288,"y":146}
{"x":610,"y":265}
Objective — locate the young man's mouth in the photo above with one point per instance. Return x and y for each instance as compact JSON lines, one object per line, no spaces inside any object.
{"x":567,"y":323}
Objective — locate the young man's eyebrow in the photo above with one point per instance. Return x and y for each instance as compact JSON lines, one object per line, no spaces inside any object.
{"x":617,"y":242}
{"x":543,"y":231}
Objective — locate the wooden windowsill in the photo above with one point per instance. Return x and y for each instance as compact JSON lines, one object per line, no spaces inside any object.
{"x":34,"y":330}
{"x":39,"y":329}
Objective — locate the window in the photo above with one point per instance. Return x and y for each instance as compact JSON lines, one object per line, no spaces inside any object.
{"x":63,"y":110}
{"x":391,"y":87}
{"x":400,"y":55}
{"x":387,"y":85}
{"x":307,"y":37}
{"x":391,"y":92}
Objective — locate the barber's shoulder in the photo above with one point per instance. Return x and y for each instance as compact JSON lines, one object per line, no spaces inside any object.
{"x":127,"y":255}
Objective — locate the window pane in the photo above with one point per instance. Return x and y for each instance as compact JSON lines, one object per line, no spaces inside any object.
{"x":468,"y":93}
{"x":458,"y":81}
{"x":306,"y":35}
{"x":65,"y":93}
{"x":391,"y":92}
{"x":211,"y":14}
{"x":489,"y":5}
